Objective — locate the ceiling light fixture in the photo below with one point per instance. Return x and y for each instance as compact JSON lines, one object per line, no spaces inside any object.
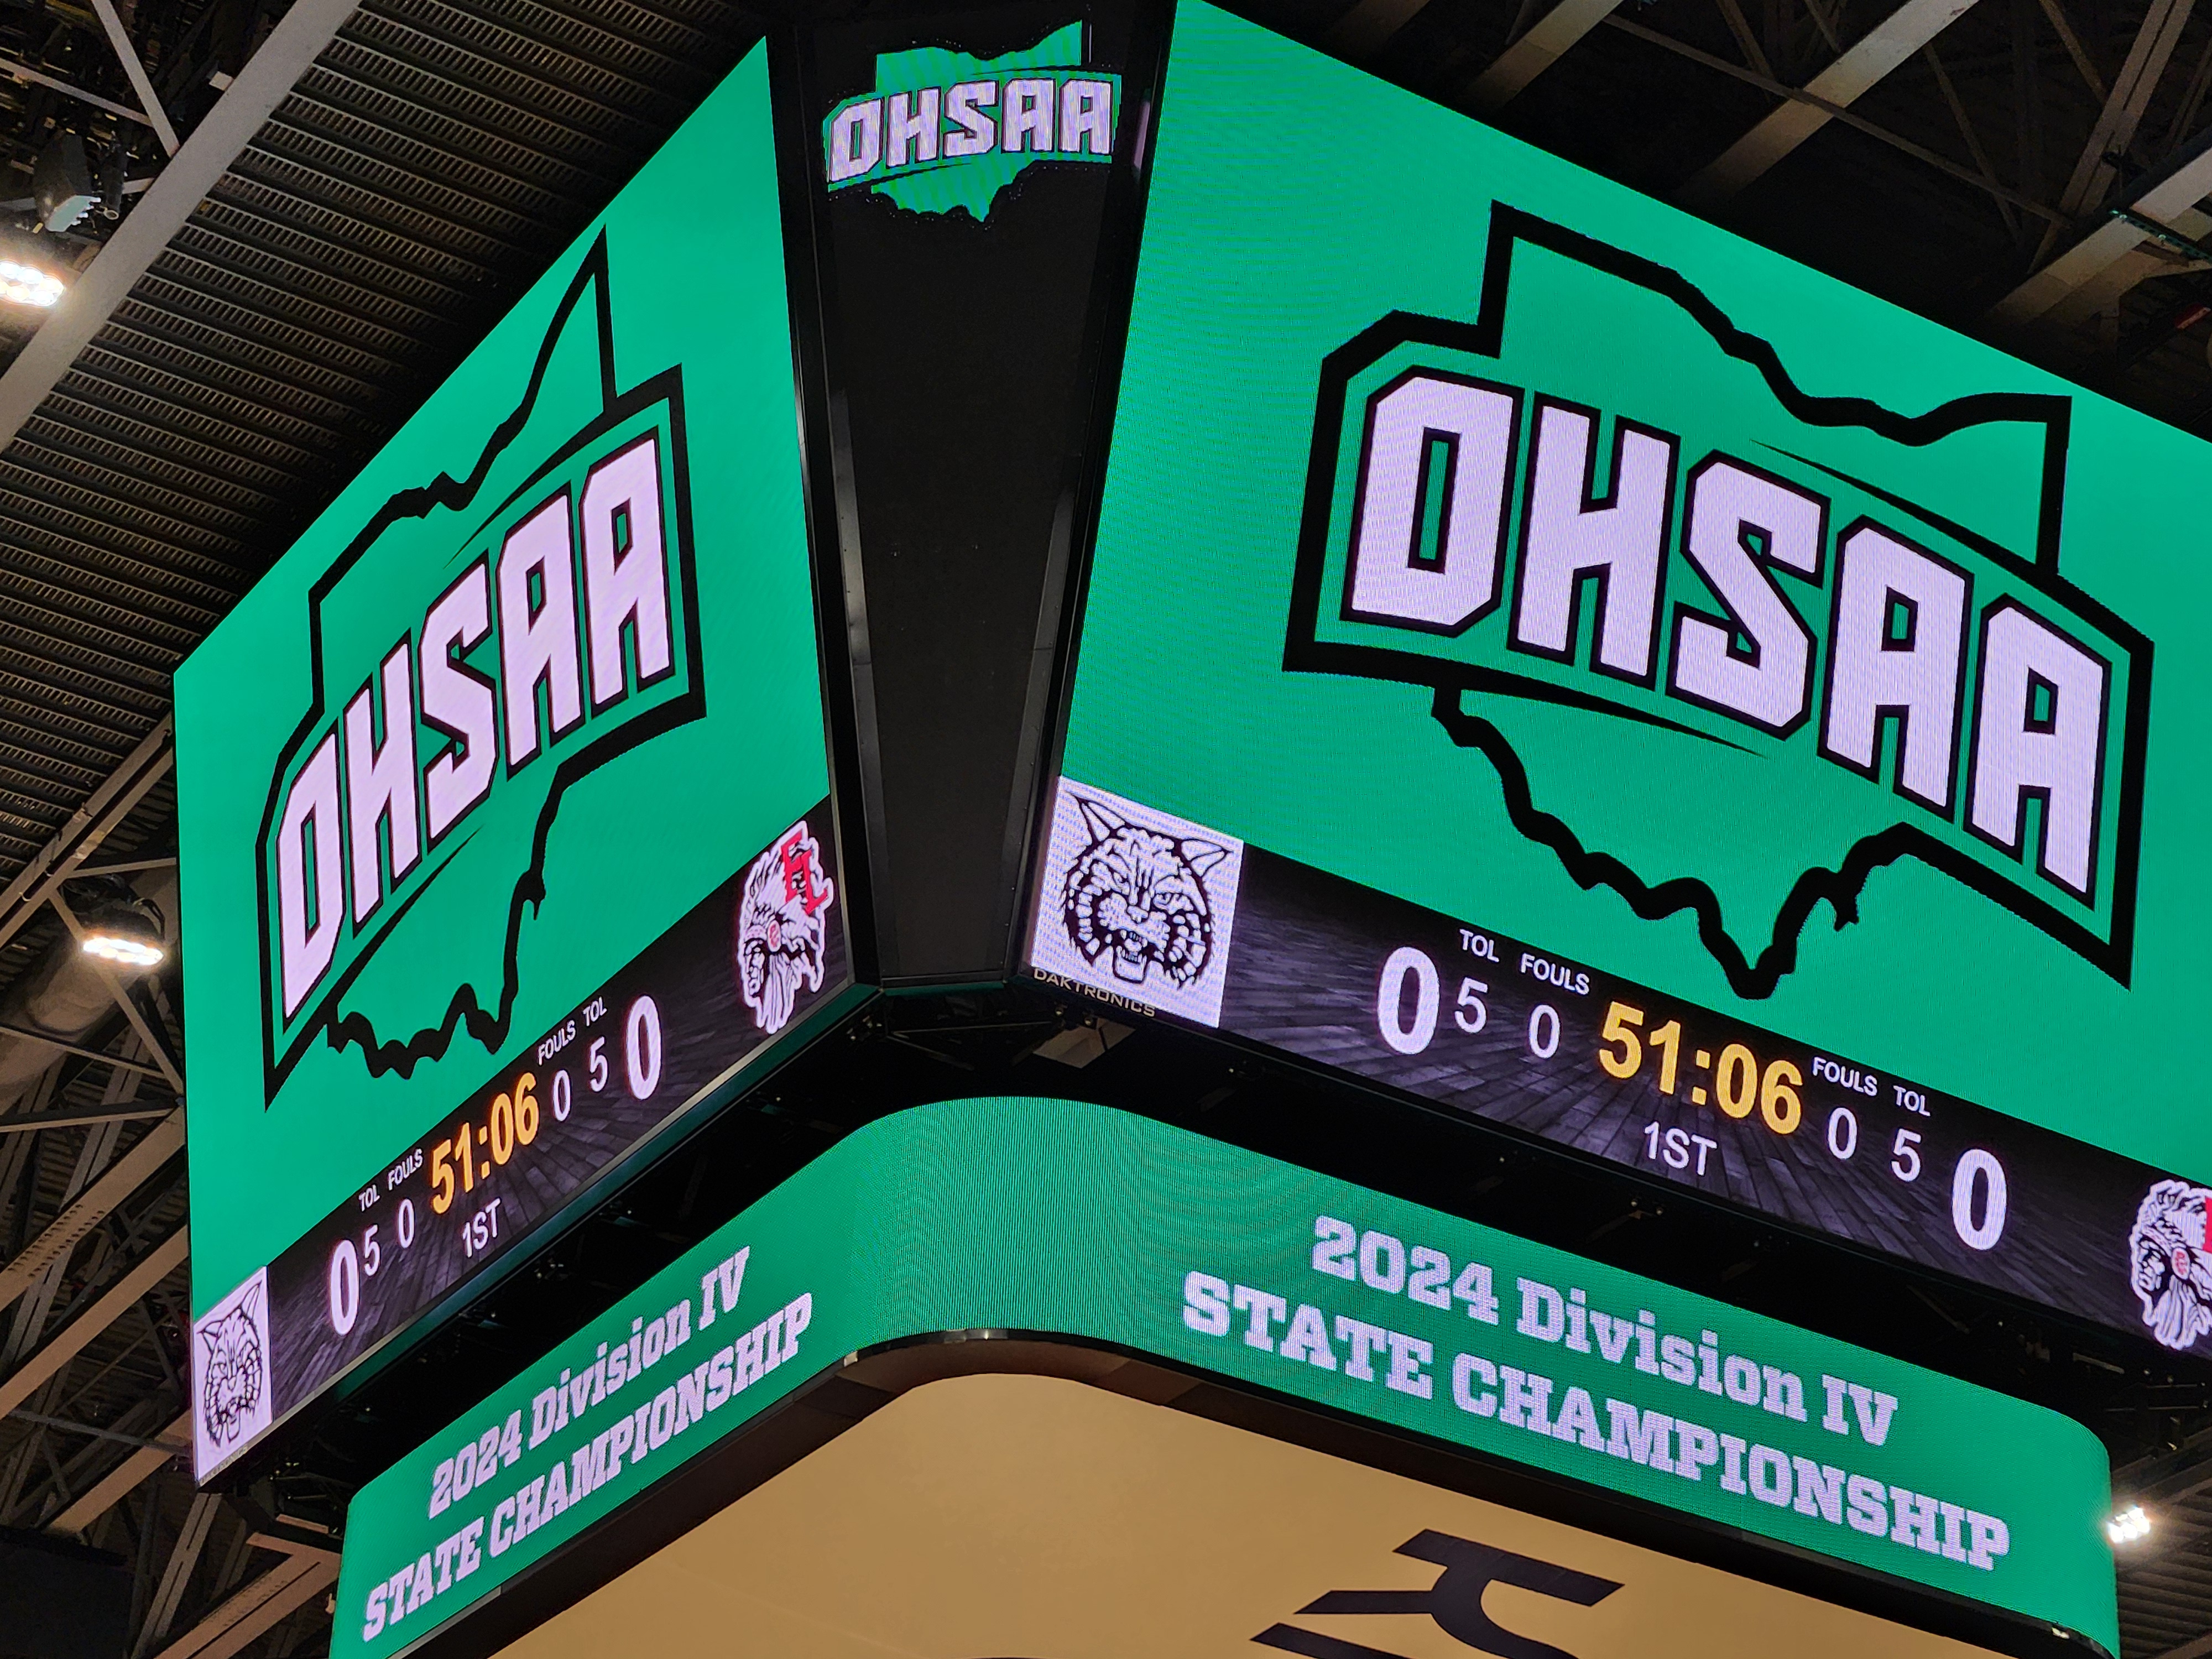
{"x":2130,"y":1525}
{"x":127,"y":933}
{"x":27,"y":285}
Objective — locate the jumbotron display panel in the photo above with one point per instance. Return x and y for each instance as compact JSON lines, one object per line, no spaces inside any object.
{"x":503,"y":797}
{"x":1550,"y":658}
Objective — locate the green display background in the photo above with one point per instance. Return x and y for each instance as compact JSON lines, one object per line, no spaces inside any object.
{"x":636,"y":842}
{"x":1295,"y":202}
{"x":1047,"y":1216}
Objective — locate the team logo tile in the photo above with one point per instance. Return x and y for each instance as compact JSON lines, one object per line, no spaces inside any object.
{"x":1137,"y":903}
{"x":2168,"y":1265}
{"x":783,"y":933}
{"x":230,"y":1376}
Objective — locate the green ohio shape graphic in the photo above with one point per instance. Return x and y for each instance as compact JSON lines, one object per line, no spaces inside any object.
{"x":1046,"y":1216}
{"x":1716,"y":521}
{"x":944,"y":132}
{"x":623,"y":443}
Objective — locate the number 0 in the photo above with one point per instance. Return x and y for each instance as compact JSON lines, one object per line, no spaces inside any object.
{"x":643,"y":1060}
{"x":1974,"y":1162}
{"x":345,"y":1287}
{"x":1390,"y":1000}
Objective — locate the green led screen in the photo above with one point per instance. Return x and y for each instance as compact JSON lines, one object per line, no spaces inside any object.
{"x":503,"y":832}
{"x":1049,"y":1216}
{"x":1549,"y":656}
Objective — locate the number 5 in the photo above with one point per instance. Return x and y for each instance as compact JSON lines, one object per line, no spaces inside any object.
{"x":1471,"y":992}
{"x":1618,"y":1020}
{"x":1905,"y":1159}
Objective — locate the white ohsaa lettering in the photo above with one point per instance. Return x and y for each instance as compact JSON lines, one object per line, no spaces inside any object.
{"x":856,"y":140}
{"x":1391,"y":580}
{"x":310,"y":818}
{"x":625,"y":569}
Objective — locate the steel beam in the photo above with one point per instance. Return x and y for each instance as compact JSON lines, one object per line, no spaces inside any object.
{"x":30,"y":1320}
{"x":24,"y":72}
{"x":156,"y":1043}
{"x":173,"y":1442}
{"x":1888,"y":44}
{"x":298,"y":38}
{"x":117,"y":1061}
{"x":93,"y":1205}
{"x":1547,"y":41}
{"x":2183,"y":183}
{"x":257,"y":1607}
{"x":127,"y":54}
{"x":70,"y":1117}
{"x":1367,"y":27}
{"x":1849,"y":117}
{"x":184,"y":1557}
{"x":72,"y":1338}
{"x":90,"y":824}
{"x":2115,"y":129}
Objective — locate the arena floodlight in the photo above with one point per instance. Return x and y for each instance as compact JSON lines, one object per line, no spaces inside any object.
{"x":2131,"y":1525}
{"x":25,"y":284}
{"x":128,"y":933}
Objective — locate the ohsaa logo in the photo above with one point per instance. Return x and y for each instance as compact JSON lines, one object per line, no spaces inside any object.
{"x":482,"y":645}
{"x":945,"y":132}
{"x":1137,"y":903}
{"x":1831,"y":634}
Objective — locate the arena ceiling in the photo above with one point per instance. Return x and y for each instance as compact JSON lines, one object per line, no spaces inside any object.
{"x":281,"y":226}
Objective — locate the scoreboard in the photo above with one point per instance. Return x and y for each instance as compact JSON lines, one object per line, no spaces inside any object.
{"x":1557,"y":661}
{"x":505,"y":834}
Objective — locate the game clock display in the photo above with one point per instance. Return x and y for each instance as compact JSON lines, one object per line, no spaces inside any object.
{"x":1164,"y":916}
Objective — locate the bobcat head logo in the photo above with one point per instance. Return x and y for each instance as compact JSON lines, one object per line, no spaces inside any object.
{"x":235,"y":1372}
{"x":1136,"y":898}
{"x":2169,"y":1266}
{"x":782,"y":928}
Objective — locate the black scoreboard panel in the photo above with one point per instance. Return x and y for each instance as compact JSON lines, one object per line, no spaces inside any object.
{"x":668,"y":1030}
{"x":1504,"y":1030}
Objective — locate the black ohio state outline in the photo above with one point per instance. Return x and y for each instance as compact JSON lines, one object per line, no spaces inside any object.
{"x":487,"y":1026}
{"x":1305,"y":651}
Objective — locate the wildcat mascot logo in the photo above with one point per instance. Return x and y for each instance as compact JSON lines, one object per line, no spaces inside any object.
{"x":1136,"y":898}
{"x":1136,"y":903}
{"x":1827,"y":634}
{"x":231,"y":1394}
{"x":483,"y":644}
{"x":783,"y":934}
